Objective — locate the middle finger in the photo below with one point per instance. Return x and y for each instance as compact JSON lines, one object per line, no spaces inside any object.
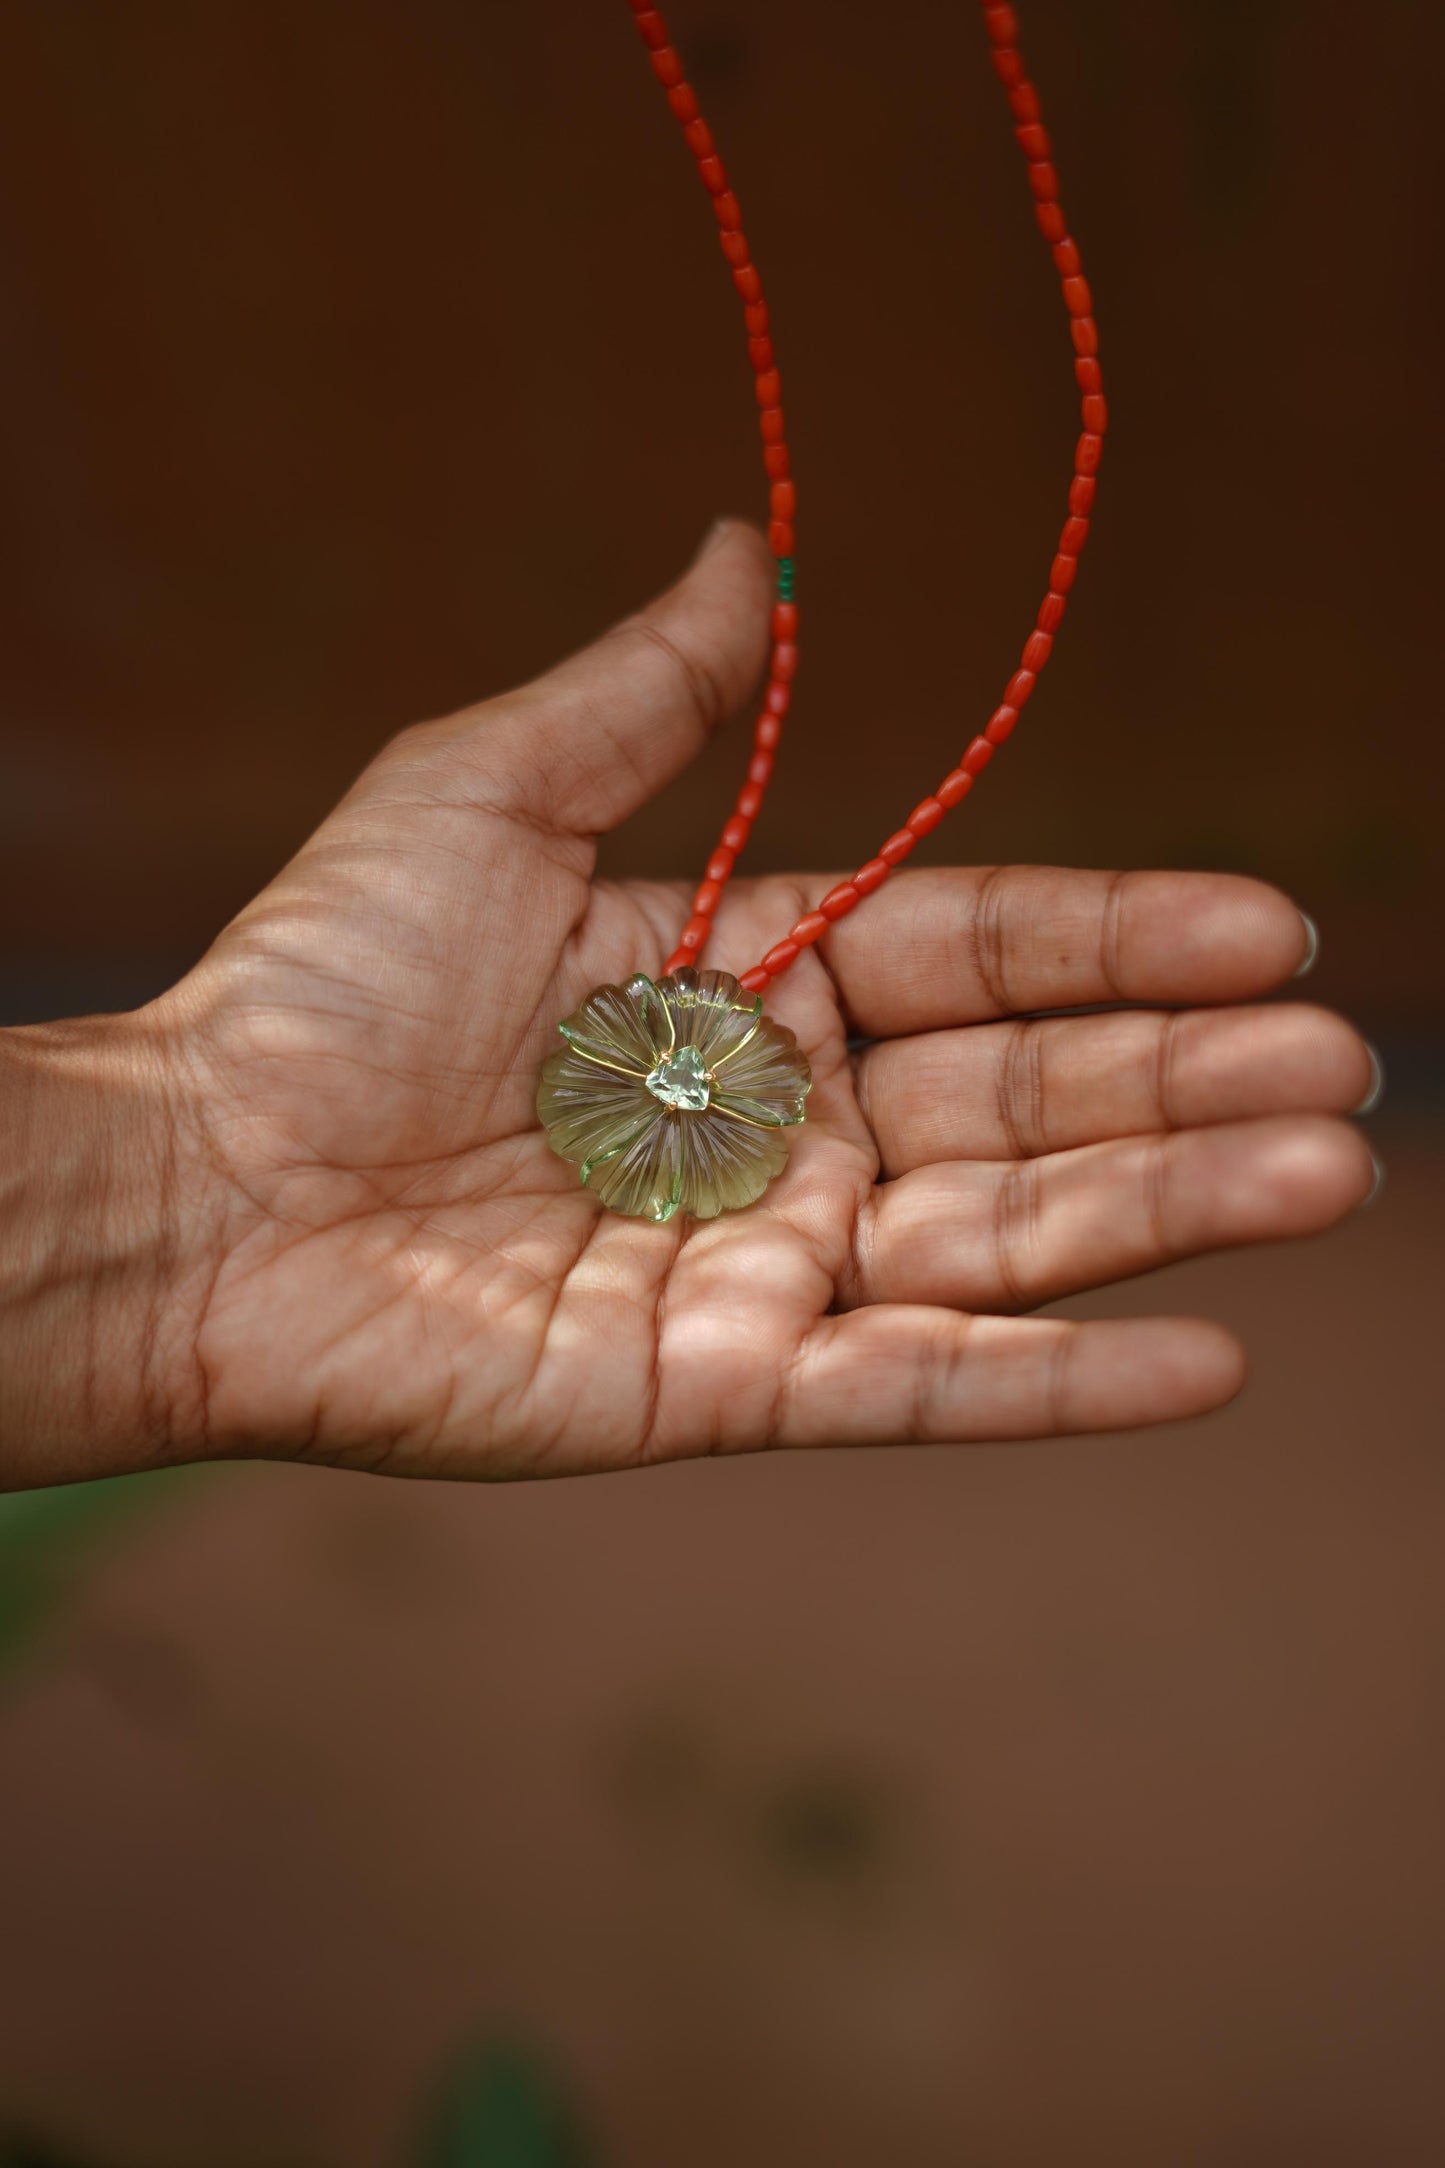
{"x":1048,"y":1084}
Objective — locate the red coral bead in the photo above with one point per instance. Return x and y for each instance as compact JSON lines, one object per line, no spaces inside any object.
{"x":667,"y":66}
{"x":694,"y":933}
{"x":698,"y":137}
{"x":925,"y":816}
{"x":778,"y":697}
{"x":735,"y":248}
{"x":727,"y":210}
{"x":977,"y":756}
{"x":1063,"y":572}
{"x":1037,"y":649}
{"x":1008,"y":66}
{"x":779,"y":957}
{"x":747,"y":282}
{"x":1023,"y":101}
{"x":721,"y":864}
{"x":785,"y":660}
{"x":755,"y":316}
{"x":955,"y":787}
{"x":760,"y":354}
{"x":760,"y":767}
{"x":1082,"y":490}
{"x":768,"y":388}
{"x":783,"y":499}
{"x":683,"y":100}
{"x":767,"y":730}
{"x":1050,"y":220}
{"x":1087,"y":373}
{"x":1051,"y":612}
{"x":1043,"y":180}
{"x":755,"y":981}
{"x":712,"y":173}
{"x":785,"y":620}
{"x":839,"y":901}
{"x":777,"y":460}
{"x":896,"y":849}
{"x":770,"y":424}
{"x":781,"y":540}
{"x":1072,"y":536}
{"x":1088,"y":452}
{"x":652,"y":27}
{"x":1066,"y":258}
{"x":750,"y":801}
{"x":1077,"y":298}
{"x":1000,"y":725}
{"x":1002,"y":25}
{"x":871,"y":875}
{"x":1085,"y":334}
{"x":1018,"y":689}
{"x":808,"y":928}
{"x":735,"y":833}
{"x":707,"y":899}
{"x":1096,"y":412}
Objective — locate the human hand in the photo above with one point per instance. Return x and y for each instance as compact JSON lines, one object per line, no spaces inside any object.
{"x":301,"y":1205}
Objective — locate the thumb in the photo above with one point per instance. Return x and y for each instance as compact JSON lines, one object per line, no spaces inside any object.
{"x":598,"y":736}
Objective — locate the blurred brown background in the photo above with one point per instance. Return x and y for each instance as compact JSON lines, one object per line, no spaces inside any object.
{"x":1008,"y":1809}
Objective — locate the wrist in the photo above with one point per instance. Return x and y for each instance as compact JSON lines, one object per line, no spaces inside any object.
{"x":94,"y":1240}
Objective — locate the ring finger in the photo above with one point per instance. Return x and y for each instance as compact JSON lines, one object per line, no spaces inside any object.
{"x":1008,"y":1237}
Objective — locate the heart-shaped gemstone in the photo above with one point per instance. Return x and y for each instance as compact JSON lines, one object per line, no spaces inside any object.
{"x":681,"y":1080}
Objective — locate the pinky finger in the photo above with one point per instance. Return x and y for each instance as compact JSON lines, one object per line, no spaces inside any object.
{"x":895,"y":1374}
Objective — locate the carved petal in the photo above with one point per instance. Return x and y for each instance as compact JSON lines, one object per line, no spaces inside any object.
{"x":768,"y":1080}
{"x":587,"y":1111}
{"x":620,"y":1025}
{"x":710,"y":1011}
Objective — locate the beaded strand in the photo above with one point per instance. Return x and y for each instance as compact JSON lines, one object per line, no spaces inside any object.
{"x":1001,"y":26}
{"x":782,"y":491}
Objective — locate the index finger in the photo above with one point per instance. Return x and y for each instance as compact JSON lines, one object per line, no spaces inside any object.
{"x":961,"y":945}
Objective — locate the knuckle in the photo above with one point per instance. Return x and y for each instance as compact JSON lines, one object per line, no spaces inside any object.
{"x":1058,"y":1396}
{"x":1111,"y":934}
{"x":1156,"y":1172}
{"x":988,"y":936}
{"x":1165,"y":1058}
{"x":1015,"y":1231}
{"x":698,"y":682}
{"x":1019,"y":1090}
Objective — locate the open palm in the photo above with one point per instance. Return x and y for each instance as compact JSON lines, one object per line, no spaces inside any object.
{"x":384,"y":1263}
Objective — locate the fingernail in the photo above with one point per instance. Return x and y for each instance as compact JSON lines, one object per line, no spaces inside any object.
{"x":713,"y":536}
{"x":1376,"y":1091}
{"x":1377,"y":1185}
{"x":1312,"y":946}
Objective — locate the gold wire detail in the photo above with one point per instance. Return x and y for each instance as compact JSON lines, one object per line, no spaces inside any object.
{"x":749,"y":1035}
{"x":616,"y":1068}
{"x":751,"y":1119}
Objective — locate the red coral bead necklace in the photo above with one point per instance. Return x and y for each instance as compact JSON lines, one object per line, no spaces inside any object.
{"x":678,"y":1024}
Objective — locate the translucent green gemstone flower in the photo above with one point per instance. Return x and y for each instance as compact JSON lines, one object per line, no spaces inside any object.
{"x":671,"y":1097}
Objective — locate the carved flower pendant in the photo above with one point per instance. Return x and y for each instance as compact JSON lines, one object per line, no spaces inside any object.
{"x":672,"y":1096}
